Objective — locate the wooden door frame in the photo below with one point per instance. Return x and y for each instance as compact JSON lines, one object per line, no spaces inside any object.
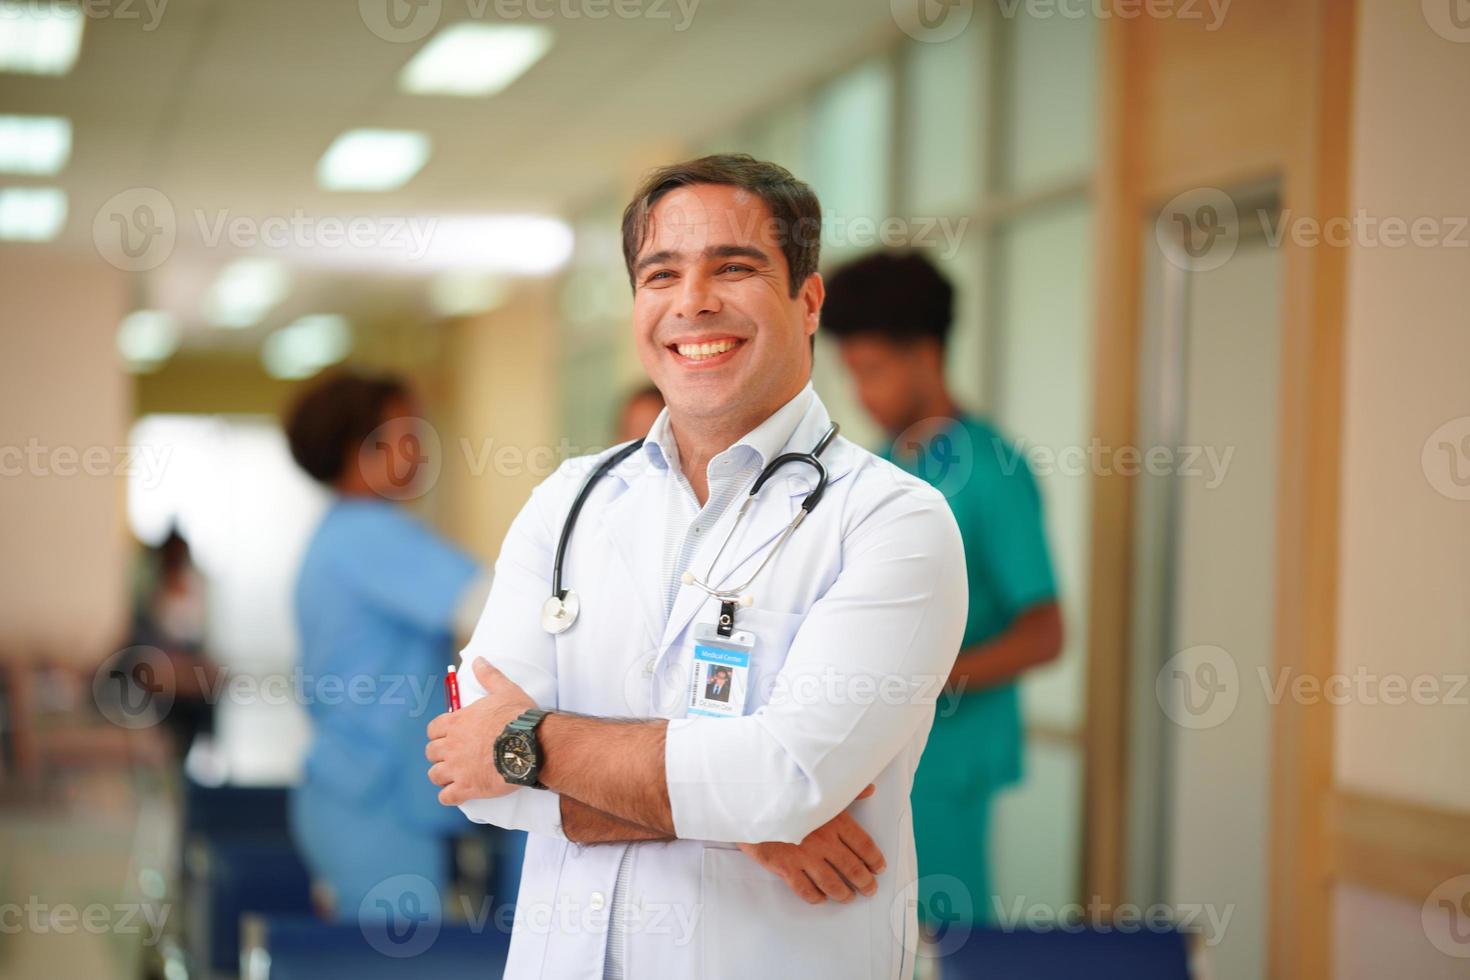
{"x":1312,"y":167}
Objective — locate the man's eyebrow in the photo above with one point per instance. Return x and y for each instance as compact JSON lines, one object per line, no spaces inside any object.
{"x":712,"y":252}
{"x":736,"y":252}
{"x":654,"y":258}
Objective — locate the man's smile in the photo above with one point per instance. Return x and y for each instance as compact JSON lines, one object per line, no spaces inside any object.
{"x":706,"y":352}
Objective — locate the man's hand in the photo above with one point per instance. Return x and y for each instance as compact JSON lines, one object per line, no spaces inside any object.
{"x":833,"y":860}
{"x":461,"y":743}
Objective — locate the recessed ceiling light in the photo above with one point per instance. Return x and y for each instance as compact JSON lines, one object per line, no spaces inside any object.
{"x":147,"y":338}
{"x":474,"y":59}
{"x":467,"y":293}
{"x":372,"y":160}
{"x":31,"y":214}
{"x":307,"y":345}
{"x":34,"y":144}
{"x":40,"y":38}
{"x":245,"y":292}
{"x":524,"y":244}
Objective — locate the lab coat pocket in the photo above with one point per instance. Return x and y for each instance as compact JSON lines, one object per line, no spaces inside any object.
{"x":753,"y":925}
{"x":773,"y":634}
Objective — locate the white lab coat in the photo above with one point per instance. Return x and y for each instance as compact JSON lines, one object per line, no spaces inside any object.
{"x":858,"y":621}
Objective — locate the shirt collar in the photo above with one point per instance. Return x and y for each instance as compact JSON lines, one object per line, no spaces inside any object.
{"x":765,"y":440}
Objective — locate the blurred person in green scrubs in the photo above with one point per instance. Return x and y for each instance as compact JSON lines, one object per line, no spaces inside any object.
{"x":891,"y":315}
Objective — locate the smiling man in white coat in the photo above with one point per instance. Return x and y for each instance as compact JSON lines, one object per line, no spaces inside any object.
{"x":674,"y":835}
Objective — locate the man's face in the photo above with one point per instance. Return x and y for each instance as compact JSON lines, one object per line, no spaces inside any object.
{"x":889,"y":378}
{"x":716,"y":325}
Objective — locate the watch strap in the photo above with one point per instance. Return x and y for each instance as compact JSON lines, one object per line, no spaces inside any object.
{"x":528,"y":720}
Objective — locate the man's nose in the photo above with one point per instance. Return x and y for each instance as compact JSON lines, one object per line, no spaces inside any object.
{"x":697,"y":297}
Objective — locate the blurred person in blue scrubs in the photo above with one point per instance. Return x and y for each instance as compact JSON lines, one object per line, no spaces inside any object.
{"x":382,"y":602}
{"x":891,"y":314}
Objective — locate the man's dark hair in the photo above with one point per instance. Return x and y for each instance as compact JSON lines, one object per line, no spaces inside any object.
{"x":899,"y":296}
{"x":336,"y":413}
{"x":793,"y":205}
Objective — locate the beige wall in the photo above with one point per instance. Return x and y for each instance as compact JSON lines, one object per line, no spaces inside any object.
{"x":1404,"y":608}
{"x":63,"y":421}
{"x":1405,"y":565}
{"x":497,"y":417}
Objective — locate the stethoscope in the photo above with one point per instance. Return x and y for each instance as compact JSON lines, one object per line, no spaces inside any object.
{"x":560,"y":610}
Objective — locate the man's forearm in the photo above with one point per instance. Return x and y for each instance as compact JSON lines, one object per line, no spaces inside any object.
{"x":587,"y":825}
{"x":1033,"y":639}
{"x":613,"y":766}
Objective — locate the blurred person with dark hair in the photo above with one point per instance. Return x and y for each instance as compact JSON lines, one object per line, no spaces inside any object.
{"x":639,"y":412}
{"x":891,"y":314}
{"x":380,"y":601}
{"x":170,"y":616}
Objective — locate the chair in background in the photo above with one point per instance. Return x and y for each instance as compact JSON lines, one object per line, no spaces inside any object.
{"x":283,"y":947}
{"x":1033,"y":954}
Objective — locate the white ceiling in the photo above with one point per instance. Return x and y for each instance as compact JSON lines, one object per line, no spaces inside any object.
{"x":225,"y":106}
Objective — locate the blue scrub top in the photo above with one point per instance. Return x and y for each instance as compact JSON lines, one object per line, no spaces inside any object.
{"x":993,"y":494}
{"x":375,"y":602}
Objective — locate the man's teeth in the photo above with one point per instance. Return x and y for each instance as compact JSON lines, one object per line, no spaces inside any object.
{"x":699,"y":352}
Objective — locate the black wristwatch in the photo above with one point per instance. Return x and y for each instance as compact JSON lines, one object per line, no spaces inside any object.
{"x":518,"y":752}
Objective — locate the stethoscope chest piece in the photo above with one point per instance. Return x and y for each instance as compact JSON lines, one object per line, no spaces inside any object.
{"x":559,"y":613}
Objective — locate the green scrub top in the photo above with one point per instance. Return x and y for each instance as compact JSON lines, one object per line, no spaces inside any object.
{"x":975,"y":745}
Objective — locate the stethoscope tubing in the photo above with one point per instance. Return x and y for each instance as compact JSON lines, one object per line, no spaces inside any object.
{"x":581,"y":498}
{"x":561,"y":607}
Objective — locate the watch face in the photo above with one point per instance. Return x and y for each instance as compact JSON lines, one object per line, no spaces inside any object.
{"x":517,"y":757}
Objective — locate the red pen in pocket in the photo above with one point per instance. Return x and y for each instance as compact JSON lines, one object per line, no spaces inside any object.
{"x":451,"y":689}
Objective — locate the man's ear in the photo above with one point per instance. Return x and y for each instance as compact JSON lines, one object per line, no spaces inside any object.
{"x":813,"y":294}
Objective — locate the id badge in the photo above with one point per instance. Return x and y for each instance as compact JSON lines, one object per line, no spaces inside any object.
{"x":720,"y":675}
